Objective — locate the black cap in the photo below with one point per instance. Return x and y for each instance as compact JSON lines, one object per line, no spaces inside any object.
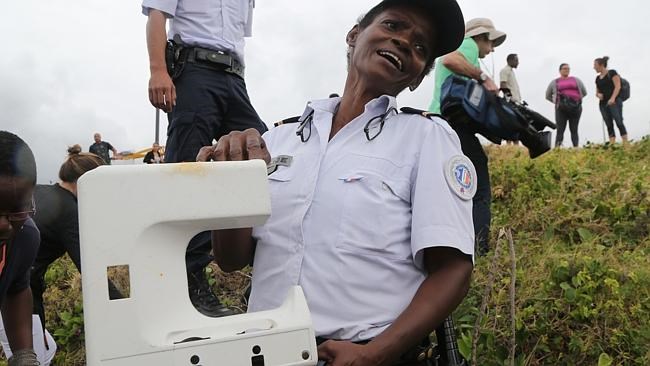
{"x":449,"y":23}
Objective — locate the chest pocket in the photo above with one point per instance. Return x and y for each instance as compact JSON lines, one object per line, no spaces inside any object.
{"x":376,"y":216}
{"x":281,"y":207}
{"x":280,"y":182}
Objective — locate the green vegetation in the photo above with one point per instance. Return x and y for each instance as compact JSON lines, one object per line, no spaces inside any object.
{"x":580,"y":222}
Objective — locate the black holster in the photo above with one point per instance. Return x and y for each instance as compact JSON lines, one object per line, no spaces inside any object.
{"x":169,"y":57}
{"x":173,"y":58}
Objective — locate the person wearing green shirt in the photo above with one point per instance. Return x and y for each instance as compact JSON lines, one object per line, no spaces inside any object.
{"x":481,"y":37}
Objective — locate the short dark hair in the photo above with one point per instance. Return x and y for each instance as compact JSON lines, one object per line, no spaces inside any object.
{"x":77,"y":164}
{"x":562,"y":65}
{"x":366,"y":19}
{"x":16,"y":158}
{"x":511,"y":57}
{"x":602,"y":60}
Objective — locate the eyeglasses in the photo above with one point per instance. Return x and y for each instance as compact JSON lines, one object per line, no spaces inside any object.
{"x":372,"y":129}
{"x":14,"y":217}
{"x":304,"y":137}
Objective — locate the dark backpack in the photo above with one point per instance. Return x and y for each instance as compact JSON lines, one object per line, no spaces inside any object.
{"x":625,"y":90}
{"x":624,"y":94}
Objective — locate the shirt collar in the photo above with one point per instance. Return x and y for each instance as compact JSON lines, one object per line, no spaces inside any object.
{"x":377,"y":106}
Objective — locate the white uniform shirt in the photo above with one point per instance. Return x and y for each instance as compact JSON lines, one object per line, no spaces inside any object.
{"x":218,"y":25}
{"x":351,"y":217}
{"x":507,"y":75}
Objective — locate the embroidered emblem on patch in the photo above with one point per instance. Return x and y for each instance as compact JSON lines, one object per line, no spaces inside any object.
{"x":461,"y":176}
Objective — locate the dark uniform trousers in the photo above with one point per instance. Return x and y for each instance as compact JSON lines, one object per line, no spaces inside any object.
{"x":481,"y":213}
{"x":210,"y":103}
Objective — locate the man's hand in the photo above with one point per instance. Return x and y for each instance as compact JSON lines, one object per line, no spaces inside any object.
{"x":490,"y":86}
{"x":236,"y":146}
{"x":343,"y":353}
{"x":599,"y":96}
{"x":611,"y":102}
{"x":162,"y":92}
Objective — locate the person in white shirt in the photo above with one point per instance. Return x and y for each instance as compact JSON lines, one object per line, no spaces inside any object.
{"x":205,"y":95}
{"x":508,"y":79}
{"x":509,"y":84}
{"x":371,"y":208}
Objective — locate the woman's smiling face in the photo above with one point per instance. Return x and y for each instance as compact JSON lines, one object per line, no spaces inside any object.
{"x":393,"y":51}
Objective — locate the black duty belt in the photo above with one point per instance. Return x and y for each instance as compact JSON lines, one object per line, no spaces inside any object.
{"x":217,"y":59}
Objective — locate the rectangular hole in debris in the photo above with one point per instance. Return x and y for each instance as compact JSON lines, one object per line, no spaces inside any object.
{"x":119,"y":282}
{"x":257,"y":360}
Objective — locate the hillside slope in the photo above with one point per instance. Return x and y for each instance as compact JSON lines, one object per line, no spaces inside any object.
{"x":580,"y":223}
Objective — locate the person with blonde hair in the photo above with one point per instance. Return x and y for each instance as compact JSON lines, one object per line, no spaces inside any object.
{"x":155,"y":156}
{"x":57,"y":219}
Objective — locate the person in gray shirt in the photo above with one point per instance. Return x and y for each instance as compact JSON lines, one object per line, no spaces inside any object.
{"x":101,"y":148}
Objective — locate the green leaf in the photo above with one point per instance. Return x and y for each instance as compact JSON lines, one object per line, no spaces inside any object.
{"x":604,"y":360}
{"x":570,"y":295}
{"x":465,"y":346}
{"x":585,"y":235}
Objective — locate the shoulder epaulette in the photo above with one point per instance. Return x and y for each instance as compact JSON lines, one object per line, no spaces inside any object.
{"x":423,"y":113}
{"x":287,"y":120}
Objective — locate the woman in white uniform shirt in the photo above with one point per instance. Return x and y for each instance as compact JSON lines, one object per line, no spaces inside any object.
{"x":371,"y":208}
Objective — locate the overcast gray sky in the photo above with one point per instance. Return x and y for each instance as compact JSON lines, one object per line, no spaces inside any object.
{"x":70,"y":68}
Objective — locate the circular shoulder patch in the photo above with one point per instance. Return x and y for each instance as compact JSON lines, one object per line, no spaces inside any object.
{"x":461,"y":176}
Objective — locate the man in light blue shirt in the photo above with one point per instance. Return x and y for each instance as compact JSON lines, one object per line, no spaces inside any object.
{"x":205,"y":96}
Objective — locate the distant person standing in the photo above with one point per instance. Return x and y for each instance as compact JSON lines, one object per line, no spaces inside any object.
{"x":566,"y":92}
{"x":155,"y":156}
{"x":608,"y":88}
{"x":205,"y":95}
{"x":101,"y":148}
{"x":508,"y":80}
